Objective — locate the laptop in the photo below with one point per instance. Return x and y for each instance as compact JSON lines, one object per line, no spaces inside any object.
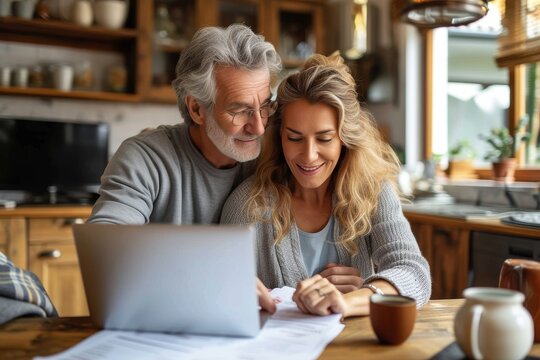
{"x":198,"y":279}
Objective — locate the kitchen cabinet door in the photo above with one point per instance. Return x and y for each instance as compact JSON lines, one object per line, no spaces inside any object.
{"x":446,"y":248}
{"x":450,"y":261}
{"x":53,"y":258}
{"x":13,"y":240}
{"x":57,"y":265}
{"x":296,"y":30}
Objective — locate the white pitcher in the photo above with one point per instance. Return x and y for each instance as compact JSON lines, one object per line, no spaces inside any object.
{"x":493,"y":325}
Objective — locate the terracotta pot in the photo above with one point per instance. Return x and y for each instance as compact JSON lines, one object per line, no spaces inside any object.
{"x":503,"y":170}
{"x":461,"y":169}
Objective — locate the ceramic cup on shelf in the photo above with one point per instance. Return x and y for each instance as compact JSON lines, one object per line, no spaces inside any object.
{"x":493,"y":324}
{"x":392,"y":317}
{"x":24,"y":8}
{"x":63,"y":77}
{"x":111,"y":14}
{"x":5,"y":76}
{"x":524,"y":276}
{"x":5,"y":7}
{"x":82,"y":13}
{"x":20,"y":76}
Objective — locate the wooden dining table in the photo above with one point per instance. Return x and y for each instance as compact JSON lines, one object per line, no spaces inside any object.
{"x":25,"y":338}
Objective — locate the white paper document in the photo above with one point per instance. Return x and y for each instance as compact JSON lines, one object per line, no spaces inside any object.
{"x":287,"y":334}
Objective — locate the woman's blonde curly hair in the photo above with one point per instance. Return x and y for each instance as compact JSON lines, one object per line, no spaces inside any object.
{"x":366,"y":161}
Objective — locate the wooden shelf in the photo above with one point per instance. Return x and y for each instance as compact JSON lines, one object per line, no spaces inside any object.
{"x":146,"y":58}
{"x":63,"y":29}
{"x":161,"y":94}
{"x":170,"y":46}
{"x":292,"y":63}
{"x":89,"y":95}
{"x":67,"y":34}
{"x":47,"y":211}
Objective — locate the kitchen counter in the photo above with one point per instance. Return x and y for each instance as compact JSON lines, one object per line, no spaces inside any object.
{"x":462,"y":252}
{"x":469,"y":217}
{"x":47,"y":211}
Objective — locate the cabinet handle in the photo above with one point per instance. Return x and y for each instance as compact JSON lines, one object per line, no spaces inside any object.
{"x":50,"y":254}
{"x":71,"y":221}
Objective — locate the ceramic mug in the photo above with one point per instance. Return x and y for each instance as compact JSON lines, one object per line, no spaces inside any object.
{"x":24,"y":8}
{"x":110,"y":13}
{"x":5,"y":76}
{"x":524,"y":276}
{"x":20,"y":77}
{"x":5,"y":7}
{"x":63,"y":77}
{"x":493,"y":324}
{"x":392,"y":317}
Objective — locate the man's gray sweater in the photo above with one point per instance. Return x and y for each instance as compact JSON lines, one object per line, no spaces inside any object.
{"x":160,"y":176}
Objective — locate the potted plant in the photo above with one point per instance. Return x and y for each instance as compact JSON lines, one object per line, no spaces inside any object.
{"x":501,"y":153}
{"x":460,"y":161}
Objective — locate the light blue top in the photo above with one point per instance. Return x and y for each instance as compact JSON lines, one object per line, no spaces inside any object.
{"x":318,"y":249}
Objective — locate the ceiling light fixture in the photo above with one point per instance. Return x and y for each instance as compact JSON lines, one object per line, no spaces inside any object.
{"x":436,"y":13}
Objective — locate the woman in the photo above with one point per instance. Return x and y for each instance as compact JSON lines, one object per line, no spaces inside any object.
{"x":324,"y":201}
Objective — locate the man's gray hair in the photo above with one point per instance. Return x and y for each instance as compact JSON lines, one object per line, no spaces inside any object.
{"x":235,"y":46}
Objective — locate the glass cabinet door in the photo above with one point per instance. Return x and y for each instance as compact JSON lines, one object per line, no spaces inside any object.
{"x":174,"y":23}
{"x":241,"y":12}
{"x":296,"y":30}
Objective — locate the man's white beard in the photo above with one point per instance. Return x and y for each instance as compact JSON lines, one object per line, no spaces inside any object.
{"x":227,"y":144}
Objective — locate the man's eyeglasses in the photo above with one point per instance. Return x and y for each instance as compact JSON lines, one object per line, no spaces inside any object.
{"x":241,"y":118}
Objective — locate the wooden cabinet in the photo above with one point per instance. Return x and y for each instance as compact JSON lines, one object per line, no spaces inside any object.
{"x":13,"y":240}
{"x":123,"y":42}
{"x":446,"y":248}
{"x":296,"y":30}
{"x":41,"y":240}
{"x":157,"y":31}
{"x":294,"y":27}
{"x":3,"y":236}
{"x":57,"y":265}
{"x":53,"y":258}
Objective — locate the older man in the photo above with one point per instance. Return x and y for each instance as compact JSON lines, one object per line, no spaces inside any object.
{"x":183,"y":174}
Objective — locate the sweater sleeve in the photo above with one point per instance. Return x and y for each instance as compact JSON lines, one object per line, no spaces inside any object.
{"x":234,"y":211}
{"x":128,"y":186}
{"x":395,"y":252}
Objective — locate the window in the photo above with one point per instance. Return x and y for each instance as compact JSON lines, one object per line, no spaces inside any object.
{"x":519,"y":51}
{"x":491,"y":79}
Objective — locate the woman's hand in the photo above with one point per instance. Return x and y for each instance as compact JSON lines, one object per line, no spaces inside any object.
{"x":265,"y":300}
{"x":345,"y":278}
{"x":317,"y":295}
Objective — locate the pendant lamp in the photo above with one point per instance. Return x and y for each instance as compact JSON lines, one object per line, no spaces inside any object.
{"x":437,"y":13}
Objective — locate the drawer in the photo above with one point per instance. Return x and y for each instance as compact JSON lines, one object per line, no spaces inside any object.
{"x":51,"y":229}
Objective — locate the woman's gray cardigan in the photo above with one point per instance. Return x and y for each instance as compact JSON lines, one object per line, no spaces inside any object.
{"x":388,"y":252}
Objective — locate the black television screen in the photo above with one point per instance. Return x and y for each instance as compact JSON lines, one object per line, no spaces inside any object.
{"x":37,"y":155}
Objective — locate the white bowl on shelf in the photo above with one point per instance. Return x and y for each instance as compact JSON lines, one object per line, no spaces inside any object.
{"x":111,"y":14}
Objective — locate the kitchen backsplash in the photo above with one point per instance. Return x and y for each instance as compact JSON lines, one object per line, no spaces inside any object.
{"x":523,"y":195}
